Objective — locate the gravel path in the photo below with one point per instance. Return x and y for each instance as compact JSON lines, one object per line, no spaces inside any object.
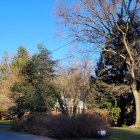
{"x":10,"y":135}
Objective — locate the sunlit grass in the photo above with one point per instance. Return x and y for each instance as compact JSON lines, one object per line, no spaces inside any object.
{"x":5,"y":121}
{"x":119,"y":133}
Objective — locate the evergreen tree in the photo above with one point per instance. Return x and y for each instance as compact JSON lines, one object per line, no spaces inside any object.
{"x":113,"y":71}
{"x":35,"y":91}
{"x":20,"y":60}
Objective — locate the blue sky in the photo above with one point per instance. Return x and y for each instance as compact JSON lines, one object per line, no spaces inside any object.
{"x":27,"y":23}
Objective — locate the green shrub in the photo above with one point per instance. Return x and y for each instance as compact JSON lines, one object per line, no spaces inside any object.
{"x":115,"y":114}
{"x":124,"y":125}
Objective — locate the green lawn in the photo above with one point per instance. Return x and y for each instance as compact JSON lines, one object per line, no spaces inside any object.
{"x":119,"y":133}
{"x":6,"y":121}
{"x":5,"y":124}
{"x":124,"y":134}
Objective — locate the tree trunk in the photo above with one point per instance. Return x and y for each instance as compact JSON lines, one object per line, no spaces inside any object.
{"x":137,"y":105}
{"x":135,"y":93}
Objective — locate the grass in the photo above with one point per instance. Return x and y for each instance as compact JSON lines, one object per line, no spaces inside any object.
{"x":124,"y":134}
{"x":5,"y":124}
{"x":6,"y":121}
{"x":119,"y":133}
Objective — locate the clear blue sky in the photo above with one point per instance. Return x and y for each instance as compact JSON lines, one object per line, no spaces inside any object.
{"x":27,"y":23}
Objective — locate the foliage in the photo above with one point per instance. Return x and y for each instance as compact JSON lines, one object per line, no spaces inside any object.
{"x":34,"y":91}
{"x":115,"y":114}
{"x":6,"y":81}
{"x":4,"y":67}
{"x":20,"y":60}
{"x":79,"y":126}
{"x":102,"y":96}
{"x":113,"y":71}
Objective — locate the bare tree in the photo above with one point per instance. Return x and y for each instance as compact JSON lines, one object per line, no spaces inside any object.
{"x":73,"y":83}
{"x":85,"y":70}
{"x":93,"y":21}
{"x":68,"y":82}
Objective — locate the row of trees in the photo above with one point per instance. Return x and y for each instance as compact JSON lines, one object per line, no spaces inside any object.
{"x":31,"y":84}
{"x":113,"y":27}
{"x":26,"y":82}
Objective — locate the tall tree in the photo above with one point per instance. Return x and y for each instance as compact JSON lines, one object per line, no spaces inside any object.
{"x":40,"y":72}
{"x":34,"y":91}
{"x":6,"y":81}
{"x":19,"y":61}
{"x":4,"y":67}
{"x":101,"y":21}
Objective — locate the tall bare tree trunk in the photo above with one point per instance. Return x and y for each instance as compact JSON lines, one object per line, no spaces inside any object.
{"x":137,"y":104}
{"x":136,"y":97}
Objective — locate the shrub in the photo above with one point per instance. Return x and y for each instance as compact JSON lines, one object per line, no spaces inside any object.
{"x":78,"y":126}
{"x":18,"y":125}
